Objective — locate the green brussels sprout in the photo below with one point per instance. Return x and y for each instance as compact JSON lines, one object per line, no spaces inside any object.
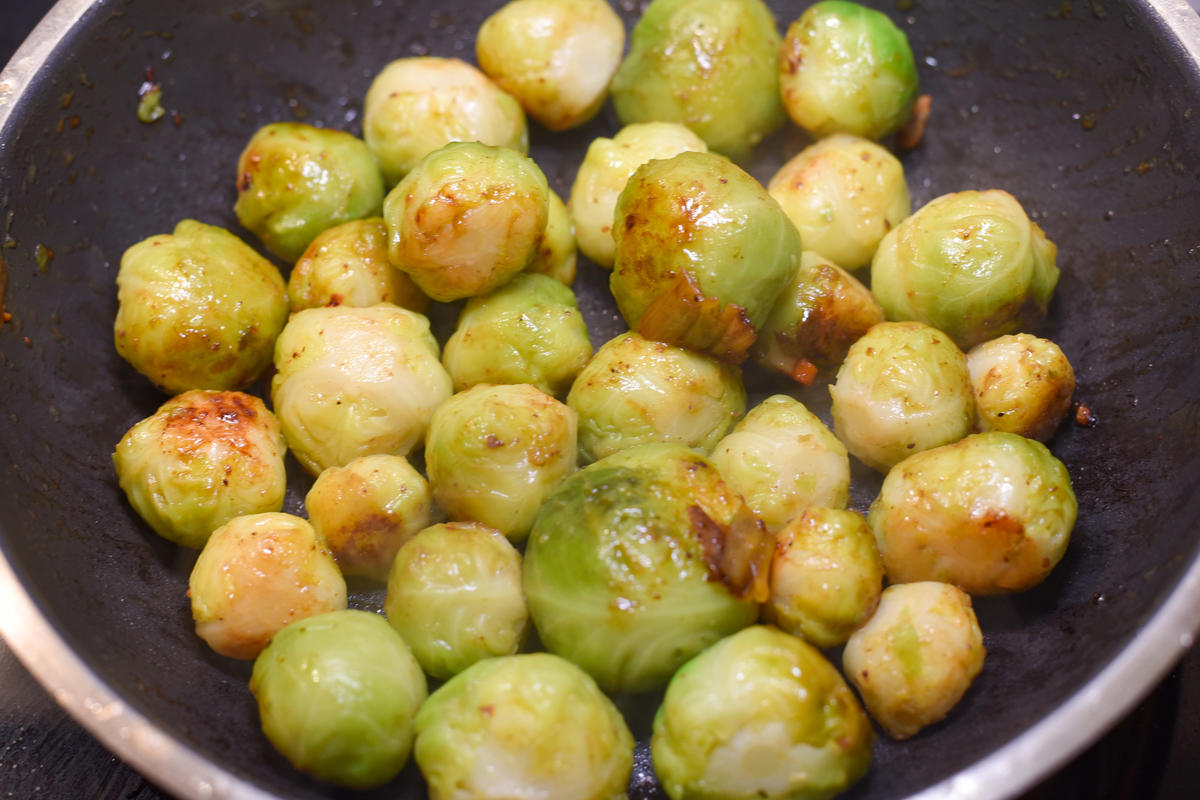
{"x":255,"y":575}
{"x":845,"y":68}
{"x":454,"y":594}
{"x":971,"y":264}
{"x":844,"y":194}
{"x":826,"y":576}
{"x":556,"y":57}
{"x":366,"y":510}
{"x":760,"y":714}
{"x":523,"y":726}
{"x":607,"y":167}
{"x":294,"y":181}
{"x":641,"y":560}
{"x":467,"y":219}
{"x":991,"y":514}
{"x":782,"y":459}
{"x":353,"y":382}
{"x":347,"y":265}
{"x":527,"y":331}
{"x":337,"y":694}
{"x":916,"y":658}
{"x":815,"y":320}
{"x":903,"y":388}
{"x":702,"y":251}
{"x":707,"y":64}
{"x":200,"y":460}
{"x":555,"y":256}
{"x":635,"y":391}
{"x":197,"y":309}
{"x":416,"y":105}
{"x":493,"y":454}
{"x":1022,"y":384}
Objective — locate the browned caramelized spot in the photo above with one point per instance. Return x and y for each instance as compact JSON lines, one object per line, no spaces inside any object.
{"x":914,"y":130}
{"x":683,"y":316}
{"x":738,"y":555}
{"x":202,"y":417}
{"x":493,"y":441}
{"x":1084,"y":416}
{"x":245,"y":182}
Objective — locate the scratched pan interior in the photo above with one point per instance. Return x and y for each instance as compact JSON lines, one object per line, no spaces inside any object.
{"x":1085,"y":116}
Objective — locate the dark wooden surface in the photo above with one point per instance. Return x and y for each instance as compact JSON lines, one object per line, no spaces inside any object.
{"x":44,"y":753}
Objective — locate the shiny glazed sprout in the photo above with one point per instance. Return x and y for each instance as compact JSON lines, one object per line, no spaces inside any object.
{"x":641,"y":560}
{"x":294,"y":181}
{"x":991,"y":514}
{"x":494,"y":453}
{"x":454,"y":594}
{"x":702,"y":251}
{"x":417,"y":105}
{"x":971,"y":264}
{"x":826,"y":576}
{"x":706,"y":64}
{"x":607,"y":167}
{"x":1022,"y":384}
{"x":347,"y":265}
{"x":760,"y":714}
{"x":467,"y":219}
{"x":197,"y":309}
{"x":782,"y":459}
{"x":843,"y":193}
{"x":337,"y":694}
{"x":556,"y":254}
{"x":636,"y":391}
{"x":916,"y":657}
{"x":353,"y":382}
{"x":556,"y":57}
{"x":845,"y":68}
{"x":364,"y":511}
{"x":903,"y":388}
{"x":523,"y":726}
{"x":255,"y":575}
{"x":529,"y":330}
{"x":200,"y":460}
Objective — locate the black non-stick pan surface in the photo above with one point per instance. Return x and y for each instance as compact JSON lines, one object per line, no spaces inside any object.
{"x":1088,"y":112}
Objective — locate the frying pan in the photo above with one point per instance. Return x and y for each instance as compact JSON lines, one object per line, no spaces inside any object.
{"x":1088,"y":112}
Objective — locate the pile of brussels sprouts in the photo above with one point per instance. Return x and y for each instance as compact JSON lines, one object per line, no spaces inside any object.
{"x":623,"y":503}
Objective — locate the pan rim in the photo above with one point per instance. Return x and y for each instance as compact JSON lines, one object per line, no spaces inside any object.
{"x":178,"y":768}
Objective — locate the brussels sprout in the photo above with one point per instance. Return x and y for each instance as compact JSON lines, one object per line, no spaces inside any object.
{"x":527,"y":331}
{"x":555,"y":255}
{"x":826,"y":576}
{"x":347,"y":265}
{"x":197,"y":309}
{"x":556,"y":57}
{"x":702,"y":251}
{"x":255,"y":575}
{"x":526,"y":726}
{"x":707,"y":64}
{"x":337,"y":694}
{"x":454,"y":594}
{"x":635,"y":391}
{"x":814,"y":320}
{"x":366,"y":510}
{"x":782,"y":459}
{"x":640,"y":561}
{"x":417,"y":105}
{"x":991,"y":514}
{"x":843,"y":194}
{"x":845,"y":68}
{"x":1022,"y":384}
{"x":605,"y":170}
{"x":199,"y":461}
{"x":760,"y":714}
{"x":903,"y":388}
{"x":294,"y":181}
{"x":916,"y":658}
{"x":493,"y":454}
{"x":467,"y":219}
{"x":353,"y":382}
{"x":970,"y":264}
